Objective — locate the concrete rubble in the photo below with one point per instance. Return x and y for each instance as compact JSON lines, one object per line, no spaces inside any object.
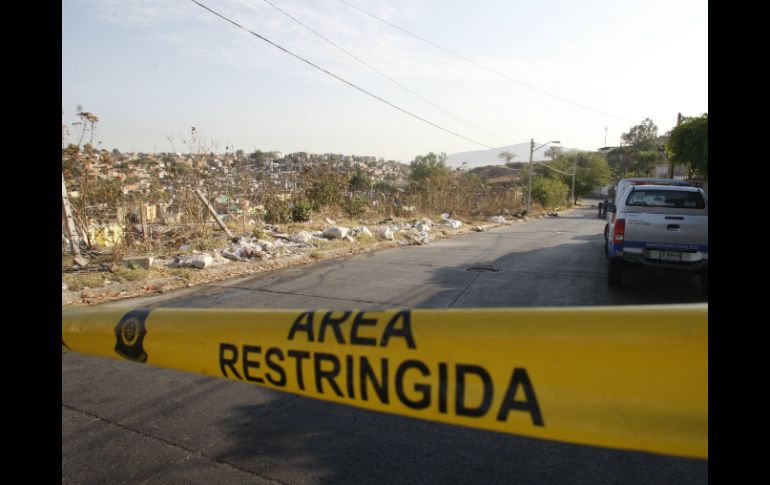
{"x":452,"y":223}
{"x":302,"y":237}
{"x":275,"y":245}
{"x":248,"y":247}
{"x":199,"y":261}
{"x":143,"y":262}
{"x":336,"y":232}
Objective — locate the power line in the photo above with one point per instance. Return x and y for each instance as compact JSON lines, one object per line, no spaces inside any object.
{"x":341,"y":79}
{"x":555,"y":170}
{"x":355,"y":57}
{"x":498,"y":73}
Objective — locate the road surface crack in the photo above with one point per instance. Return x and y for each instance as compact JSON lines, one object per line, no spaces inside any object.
{"x":173,"y":445}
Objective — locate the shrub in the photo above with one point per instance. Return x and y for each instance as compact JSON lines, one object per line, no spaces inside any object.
{"x":355,"y":207}
{"x":301,"y":211}
{"x":277,"y":213}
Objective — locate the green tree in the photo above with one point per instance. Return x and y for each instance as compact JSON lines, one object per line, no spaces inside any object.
{"x":326,"y":187}
{"x":428,"y":166}
{"x":640,"y":154}
{"x":360,"y":182}
{"x":591,"y":172}
{"x":688,"y":143}
{"x":642,"y":136}
{"x":549,"y":192}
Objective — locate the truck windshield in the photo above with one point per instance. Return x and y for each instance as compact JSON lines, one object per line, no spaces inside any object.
{"x":666,"y":198}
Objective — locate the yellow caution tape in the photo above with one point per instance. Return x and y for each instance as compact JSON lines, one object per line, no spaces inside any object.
{"x":633,"y":378}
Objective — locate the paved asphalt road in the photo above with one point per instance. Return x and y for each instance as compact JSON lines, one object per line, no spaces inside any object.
{"x":128,"y":423}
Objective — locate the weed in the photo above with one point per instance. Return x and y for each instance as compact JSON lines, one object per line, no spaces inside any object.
{"x":301,"y":211}
{"x":366,"y":239}
{"x":130,"y":274}
{"x":185,"y":273}
{"x":80,"y":281}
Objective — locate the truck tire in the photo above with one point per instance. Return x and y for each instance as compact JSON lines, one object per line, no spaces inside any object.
{"x":615,"y":272}
{"x":607,"y":232}
{"x":704,"y":281}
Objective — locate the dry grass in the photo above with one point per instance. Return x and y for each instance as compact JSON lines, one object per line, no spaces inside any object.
{"x":77,"y":282}
{"x":130,"y":274}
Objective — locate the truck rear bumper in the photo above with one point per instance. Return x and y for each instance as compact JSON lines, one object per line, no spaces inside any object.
{"x":634,"y":259}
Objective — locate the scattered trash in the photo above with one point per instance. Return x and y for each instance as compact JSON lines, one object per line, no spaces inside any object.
{"x":386,"y":234}
{"x":302,"y":237}
{"x":144,"y":262}
{"x":415,"y":236}
{"x":233,"y":256}
{"x":249,"y":252}
{"x":335,"y":232}
{"x":265,"y":244}
{"x":497,"y":219}
{"x":453,"y":223}
{"x":330,"y":221}
{"x":423,"y":226}
{"x":199,"y":261}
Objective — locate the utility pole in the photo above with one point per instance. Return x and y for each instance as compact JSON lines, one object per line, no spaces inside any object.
{"x":529,"y":193}
{"x":574,"y":172}
{"x":532,"y":150}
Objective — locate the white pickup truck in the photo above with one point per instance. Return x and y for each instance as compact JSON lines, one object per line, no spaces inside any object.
{"x":660,"y":226}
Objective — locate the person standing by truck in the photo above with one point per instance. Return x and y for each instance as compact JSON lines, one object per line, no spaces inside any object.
{"x":601,"y":208}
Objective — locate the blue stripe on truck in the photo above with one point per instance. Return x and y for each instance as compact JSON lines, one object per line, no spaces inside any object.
{"x":666,"y":245}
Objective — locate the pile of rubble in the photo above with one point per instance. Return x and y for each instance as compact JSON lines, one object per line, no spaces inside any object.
{"x":249,"y":248}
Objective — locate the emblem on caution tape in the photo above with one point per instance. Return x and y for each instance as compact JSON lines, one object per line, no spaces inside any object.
{"x":130,"y":334}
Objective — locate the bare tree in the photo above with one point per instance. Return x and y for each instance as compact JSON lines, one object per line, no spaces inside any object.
{"x":508,"y":156}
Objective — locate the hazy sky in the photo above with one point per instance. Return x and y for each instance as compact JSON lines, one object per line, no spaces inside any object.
{"x":152,"y":69}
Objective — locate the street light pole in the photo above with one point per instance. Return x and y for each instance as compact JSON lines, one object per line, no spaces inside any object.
{"x":532,"y":150}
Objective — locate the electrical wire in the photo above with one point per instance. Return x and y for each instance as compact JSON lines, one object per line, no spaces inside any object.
{"x":494,"y":71}
{"x":341,"y":79}
{"x":555,"y":170}
{"x":382,"y":74}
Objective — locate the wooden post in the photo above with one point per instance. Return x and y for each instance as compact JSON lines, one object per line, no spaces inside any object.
{"x":214,"y":213}
{"x":69,"y":222}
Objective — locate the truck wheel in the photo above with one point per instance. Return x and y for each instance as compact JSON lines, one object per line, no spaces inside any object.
{"x":704,"y":281}
{"x":607,"y":232}
{"x":615,"y":272}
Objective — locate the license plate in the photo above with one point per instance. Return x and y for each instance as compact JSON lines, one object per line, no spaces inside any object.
{"x":670,"y":256}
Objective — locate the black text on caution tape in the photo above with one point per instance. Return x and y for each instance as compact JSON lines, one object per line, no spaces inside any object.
{"x":352,"y":377}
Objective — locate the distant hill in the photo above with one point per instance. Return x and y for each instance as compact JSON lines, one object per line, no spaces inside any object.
{"x":480,"y":158}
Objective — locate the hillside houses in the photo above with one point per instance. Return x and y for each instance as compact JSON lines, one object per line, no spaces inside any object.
{"x":232,"y":181}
